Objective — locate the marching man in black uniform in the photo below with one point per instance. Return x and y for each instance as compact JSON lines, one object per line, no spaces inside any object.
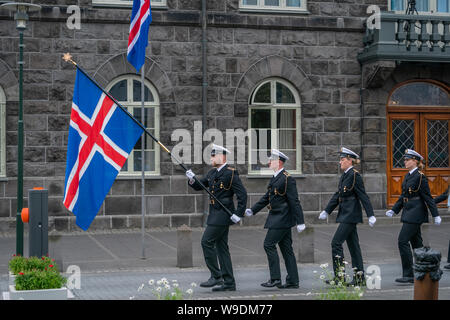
{"x":445,"y":196}
{"x":285,"y":212}
{"x":350,"y":195}
{"x":224,"y":182}
{"x":414,"y":200}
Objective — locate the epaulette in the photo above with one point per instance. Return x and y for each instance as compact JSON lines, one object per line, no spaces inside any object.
{"x":355,"y":170}
{"x":287,"y":174}
{"x":230,"y":168}
{"x":421,"y":172}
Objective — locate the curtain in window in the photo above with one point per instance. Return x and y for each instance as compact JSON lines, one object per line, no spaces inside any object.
{"x":422,"y":5}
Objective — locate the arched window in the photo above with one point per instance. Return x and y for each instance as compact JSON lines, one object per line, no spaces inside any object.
{"x":127,"y":90}
{"x":2,"y":133}
{"x":418,"y":93}
{"x":274,"y":120}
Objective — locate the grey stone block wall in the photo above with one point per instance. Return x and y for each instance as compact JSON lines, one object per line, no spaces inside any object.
{"x":315,"y":52}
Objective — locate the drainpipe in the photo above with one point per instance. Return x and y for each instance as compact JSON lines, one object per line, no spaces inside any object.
{"x":204,"y":66}
{"x":204,"y":96}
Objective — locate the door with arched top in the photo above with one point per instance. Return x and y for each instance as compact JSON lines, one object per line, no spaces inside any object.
{"x":418,"y":115}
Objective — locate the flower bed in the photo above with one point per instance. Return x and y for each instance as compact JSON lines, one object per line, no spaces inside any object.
{"x":36,"y":278}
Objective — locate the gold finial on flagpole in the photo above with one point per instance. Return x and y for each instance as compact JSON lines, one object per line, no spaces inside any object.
{"x":68,"y":58}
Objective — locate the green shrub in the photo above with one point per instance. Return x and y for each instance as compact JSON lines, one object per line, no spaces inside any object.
{"x":38,"y":279}
{"x":21,"y":264}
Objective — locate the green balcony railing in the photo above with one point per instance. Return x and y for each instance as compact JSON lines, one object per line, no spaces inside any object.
{"x":420,"y":38}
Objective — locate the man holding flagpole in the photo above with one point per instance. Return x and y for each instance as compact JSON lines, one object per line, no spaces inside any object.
{"x":141,"y":18}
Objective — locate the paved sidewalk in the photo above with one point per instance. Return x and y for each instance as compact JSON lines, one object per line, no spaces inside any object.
{"x":112,"y":268}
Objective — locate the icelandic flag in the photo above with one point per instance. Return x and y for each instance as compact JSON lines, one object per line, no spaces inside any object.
{"x":141,"y":17}
{"x":101,"y":136}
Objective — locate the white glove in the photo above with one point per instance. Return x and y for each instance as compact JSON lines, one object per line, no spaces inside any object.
{"x":190,"y":174}
{"x":323,"y":215}
{"x":235,"y":218}
{"x":390,"y":213}
{"x":248,"y":212}
{"x":301,"y":227}
{"x":437,"y":220}
{"x":372,"y":221}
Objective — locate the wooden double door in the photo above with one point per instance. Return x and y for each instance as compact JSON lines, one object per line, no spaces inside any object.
{"x":425,"y":132}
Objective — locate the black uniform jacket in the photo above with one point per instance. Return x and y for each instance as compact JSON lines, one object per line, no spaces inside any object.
{"x":350,"y":195}
{"x":442,"y":197}
{"x":281,"y":198}
{"x":415,"y":198}
{"x":223,"y":184}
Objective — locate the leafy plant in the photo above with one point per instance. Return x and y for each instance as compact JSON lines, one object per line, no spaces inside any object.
{"x":338,"y":287}
{"x":165,"y":290}
{"x":35,"y":273}
{"x":21,"y":264}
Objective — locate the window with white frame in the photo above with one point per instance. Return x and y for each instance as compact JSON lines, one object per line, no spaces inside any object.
{"x":127,"y":3}
{"x":273,"y":5}
{"x":127,"y":91}
{"x":2,"y":133}
{"x":422,"y":6}
{"x":274,"y":123}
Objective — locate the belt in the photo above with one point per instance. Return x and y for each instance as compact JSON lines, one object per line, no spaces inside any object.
{"x":408,"y":199}
{"x":342,"y":199}
{"x":211,"y":201}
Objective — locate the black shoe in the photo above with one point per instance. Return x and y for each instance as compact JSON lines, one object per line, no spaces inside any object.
{"x":447,"y":267}
{"x":405,"y":280}
{"x":272,"y":283}
{"x":289,"y":286}
{"x":225,"y":288}
{"x":211,"y":283}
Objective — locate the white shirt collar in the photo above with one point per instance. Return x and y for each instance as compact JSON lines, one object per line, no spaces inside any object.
{"x":276,"y":173}
{"x":220,"y":168}
{"x":348,"y":169}
{"x":411,"y":172}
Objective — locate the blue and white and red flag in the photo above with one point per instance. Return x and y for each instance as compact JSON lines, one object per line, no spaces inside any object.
{"x":141,"y":17}
{"x":101,"y":136}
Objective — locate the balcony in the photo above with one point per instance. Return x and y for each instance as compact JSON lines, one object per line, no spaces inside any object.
{"x":414,"y":38}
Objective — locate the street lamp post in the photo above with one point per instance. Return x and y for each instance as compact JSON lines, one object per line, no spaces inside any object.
{"x":20,"y":11}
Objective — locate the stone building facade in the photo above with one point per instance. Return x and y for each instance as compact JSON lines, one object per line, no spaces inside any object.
{"x":341,"y":101}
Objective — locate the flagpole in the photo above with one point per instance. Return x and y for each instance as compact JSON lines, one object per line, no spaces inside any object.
{"x":68,"y":57}
{"x":143,"y":140}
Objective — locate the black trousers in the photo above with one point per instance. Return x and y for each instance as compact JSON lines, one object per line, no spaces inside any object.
{"x":283,"y":238}
{"x":408,"y":237}
{"x":216,"y":253}
{"x":346,"y":232}
{"x":448,"y":254}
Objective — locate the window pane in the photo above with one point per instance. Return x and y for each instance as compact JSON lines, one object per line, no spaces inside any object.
{"x":149,"y":142}
{"x":137,"y":92}
{"x":260,"y":118}
{"x":419,"y":94}
{"x":250,"y":2}
{"x":397,"y":5}
{"x":442,"y":6}
{"x":284,"y":95}
{"x":286,"y":118}
{"x":149,"y":114}
{"x":293,"y":3}
{"x":149,"y":160}
{"x":287,"y":139}
{"x":437,"y":141}
{"x":402,"y":139}
{"x":422,"y":5}
{"x":271,"y":2}
{"x":263,"y":94}
{"x":119,"y":91}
